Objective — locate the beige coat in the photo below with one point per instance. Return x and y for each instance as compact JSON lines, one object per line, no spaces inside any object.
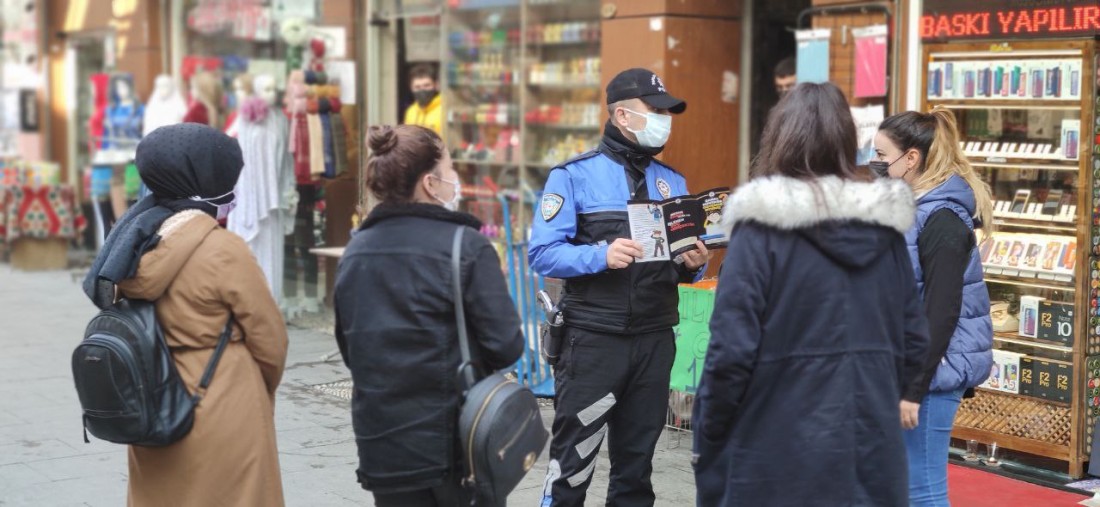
{"x":197,"y":274}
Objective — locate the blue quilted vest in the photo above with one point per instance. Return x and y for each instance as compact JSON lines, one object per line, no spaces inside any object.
{"x":969,"y":356}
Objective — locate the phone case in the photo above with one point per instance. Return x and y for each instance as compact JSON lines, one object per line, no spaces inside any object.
{"x":1037,"y":84}
{"x":1015,"y":77}
{"x":968,"y":84}
{"x":983,"y":82}
{"x":949,"y":76}
{"x":1075,"y":83}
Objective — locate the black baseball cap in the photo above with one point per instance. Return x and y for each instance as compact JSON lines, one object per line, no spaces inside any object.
{"x":643,"y":84}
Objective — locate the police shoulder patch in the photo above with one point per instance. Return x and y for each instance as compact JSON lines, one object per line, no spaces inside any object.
{"x":664,"y":188}
{"x":551,"y":205}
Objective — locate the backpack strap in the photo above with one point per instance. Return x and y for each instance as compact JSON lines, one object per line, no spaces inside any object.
{"x":208,"y":374}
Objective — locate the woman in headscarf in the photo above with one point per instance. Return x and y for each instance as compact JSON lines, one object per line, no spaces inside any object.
{"x":169,"y":249}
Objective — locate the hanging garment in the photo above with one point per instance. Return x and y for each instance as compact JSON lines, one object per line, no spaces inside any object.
{"x":262,"y":214}
{"x":123,"y":125}
{"x":339,"y":138}
{"x":325,"y":113}
{"x":316,"y":141}
{"x":301,"y":150}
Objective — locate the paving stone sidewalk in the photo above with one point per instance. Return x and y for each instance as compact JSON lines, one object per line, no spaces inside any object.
{"x":45,"y":462}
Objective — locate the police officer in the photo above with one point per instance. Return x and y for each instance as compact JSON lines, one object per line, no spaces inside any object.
{"x":613,"y":374}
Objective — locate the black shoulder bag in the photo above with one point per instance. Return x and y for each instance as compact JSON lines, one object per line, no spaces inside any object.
{"x":500,"y":426}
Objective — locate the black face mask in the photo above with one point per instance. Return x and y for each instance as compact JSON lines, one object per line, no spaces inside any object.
{"x":881,"y":168}
{"x":424,"y":97}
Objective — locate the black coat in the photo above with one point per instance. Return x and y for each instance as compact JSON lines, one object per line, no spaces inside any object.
{"x":817,"y":327}
{"x":396,"y":330}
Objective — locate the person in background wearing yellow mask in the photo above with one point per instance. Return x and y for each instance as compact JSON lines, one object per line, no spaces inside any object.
{"x":427,"y":111}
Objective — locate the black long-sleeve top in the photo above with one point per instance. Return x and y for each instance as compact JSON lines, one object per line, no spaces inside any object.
{"x":944,"y":248}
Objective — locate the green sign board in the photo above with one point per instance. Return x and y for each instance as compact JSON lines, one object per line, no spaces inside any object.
{"x":692,"y":338}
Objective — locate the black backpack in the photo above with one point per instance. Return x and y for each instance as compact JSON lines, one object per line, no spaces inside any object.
{"x":127,"y":381}
{"x":500,"y":425}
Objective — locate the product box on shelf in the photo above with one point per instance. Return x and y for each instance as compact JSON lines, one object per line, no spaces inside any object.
{"x":1005,"y":374}
{"x":1063,"y":382}
{"x":1029,"y":316}
{"x":1034,"y":79}
{"x":1027,"y":376}
{"x":1043,"y":372}
{"x":1056,"y":322}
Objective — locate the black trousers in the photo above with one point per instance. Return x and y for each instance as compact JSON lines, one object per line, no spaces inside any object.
{"x":613,"y":386}
{"x":298,"y":263}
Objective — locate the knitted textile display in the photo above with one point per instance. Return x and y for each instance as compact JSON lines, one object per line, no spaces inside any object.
{"x":39,"y":212}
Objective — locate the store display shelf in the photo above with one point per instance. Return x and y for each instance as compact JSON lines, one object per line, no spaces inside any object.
{"x":482,"y":84}
{"x":1036,"y":284}
{"x":563,"y":44}
{"x":1046,"y":105}
{"x":485,"y":45}
{"x":565,"y":126}
{"x":1017,"y":339}
{"x":565,"y":86}
{"x":1000,"y":157}
{"x":485,"y":123}
{"x":1005,"y":164}
{"x":483,"y":5}
{"x":542,"y":165}
{"x":1039,"y":225}
{"x":486,"y":163}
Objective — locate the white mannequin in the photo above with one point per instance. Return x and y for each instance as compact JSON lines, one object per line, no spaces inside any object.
{"x":265,"y":191}
{"x":166,"y":106}
{"x":243,"y":87}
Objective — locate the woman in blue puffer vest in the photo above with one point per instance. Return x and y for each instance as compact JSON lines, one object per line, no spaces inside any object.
{"x":952,"y":201}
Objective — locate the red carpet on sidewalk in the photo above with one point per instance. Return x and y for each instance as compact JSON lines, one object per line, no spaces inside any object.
{"x":969,"y":487}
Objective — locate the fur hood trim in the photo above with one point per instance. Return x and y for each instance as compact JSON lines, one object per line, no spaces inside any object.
{"x":791,"y":204}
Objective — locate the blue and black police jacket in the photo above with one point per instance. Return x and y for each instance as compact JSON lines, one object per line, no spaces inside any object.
{"x":582,"y":211}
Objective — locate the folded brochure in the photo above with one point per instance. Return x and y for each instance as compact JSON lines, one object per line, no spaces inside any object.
{"x":666,"y":229}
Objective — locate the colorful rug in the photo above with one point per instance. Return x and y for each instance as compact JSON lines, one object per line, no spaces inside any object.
{"x":975,"y":488}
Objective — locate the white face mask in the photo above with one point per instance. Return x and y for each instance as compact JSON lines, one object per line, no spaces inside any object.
{"x":222,"y":210}
{"x":451,"y":205}
{"x":656,"y":131}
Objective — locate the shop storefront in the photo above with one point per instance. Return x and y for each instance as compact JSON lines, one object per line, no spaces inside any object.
{"x":38,"y":212}
{"x":120,"y":69}
{"x":1024,"y":84}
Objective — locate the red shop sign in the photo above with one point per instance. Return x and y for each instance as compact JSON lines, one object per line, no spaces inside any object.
{"x":1008,"y":19}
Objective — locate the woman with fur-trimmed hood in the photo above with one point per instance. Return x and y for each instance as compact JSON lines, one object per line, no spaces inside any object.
{"x":817,"y":324}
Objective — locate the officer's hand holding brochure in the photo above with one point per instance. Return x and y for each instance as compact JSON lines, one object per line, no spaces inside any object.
{"x":671,"y":227}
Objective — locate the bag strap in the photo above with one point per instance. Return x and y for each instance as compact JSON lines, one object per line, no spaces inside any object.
{"x":208,"y":374}
{"x":466,"y":368}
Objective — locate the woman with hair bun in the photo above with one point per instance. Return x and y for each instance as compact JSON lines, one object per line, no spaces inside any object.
{"x":395,"y":321}
{"x":952,"y":201}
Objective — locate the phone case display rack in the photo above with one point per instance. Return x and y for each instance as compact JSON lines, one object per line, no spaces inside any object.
{"x":1041,"y":99}
{"x":521,"y":81}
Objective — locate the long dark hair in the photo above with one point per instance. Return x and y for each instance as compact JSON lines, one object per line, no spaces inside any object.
{"x":400,"y":156}
{"x":810,"y":134}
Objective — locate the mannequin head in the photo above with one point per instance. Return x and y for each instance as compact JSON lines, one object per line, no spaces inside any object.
{"x":264,"y":87}
{"x":121,"y":89}
{"x":164,"y":87}
{"x":243,"y":86}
